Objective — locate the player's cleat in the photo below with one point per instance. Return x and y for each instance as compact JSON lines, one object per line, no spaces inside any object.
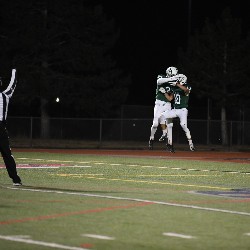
{"x":150,"y":144}
{"x":170,"y":148}
{"x":17,"y":184}
{"x":163,"y":138}
{"x":191,"y":146}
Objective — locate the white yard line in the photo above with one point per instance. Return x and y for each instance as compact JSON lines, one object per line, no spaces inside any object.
{"x":184,"y":236}
{"x":133,"y":199}
{"x":100,"y":237}
{"x":36,"y":167}
{"x":41,"y":243}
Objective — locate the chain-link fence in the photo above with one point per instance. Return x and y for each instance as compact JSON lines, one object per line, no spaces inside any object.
{"x":29,"y":131}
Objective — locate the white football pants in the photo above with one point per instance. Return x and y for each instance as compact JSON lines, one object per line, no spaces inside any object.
{"x":160,"y":107}
{"x":182,"y":114}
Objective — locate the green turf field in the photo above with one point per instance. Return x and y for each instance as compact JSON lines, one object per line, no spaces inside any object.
{"x":132,"y":203}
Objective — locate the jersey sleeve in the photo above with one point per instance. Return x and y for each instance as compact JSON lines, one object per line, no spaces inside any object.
{"x":12,"y":85}
{"x":167,"y":80}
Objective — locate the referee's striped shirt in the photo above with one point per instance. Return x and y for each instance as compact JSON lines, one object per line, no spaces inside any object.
{"x":6,"y":95}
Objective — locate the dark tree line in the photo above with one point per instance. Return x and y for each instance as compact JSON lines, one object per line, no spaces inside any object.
{"x":61,"y":48}
{"x":217,"y":64}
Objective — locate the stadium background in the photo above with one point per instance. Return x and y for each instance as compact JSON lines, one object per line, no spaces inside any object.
{"x":130,"y":131}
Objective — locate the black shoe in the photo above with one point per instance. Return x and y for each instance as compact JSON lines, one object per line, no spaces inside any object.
{"x":150,"y":144}
{"x":170,"y":148}
{"x":163,"y":138}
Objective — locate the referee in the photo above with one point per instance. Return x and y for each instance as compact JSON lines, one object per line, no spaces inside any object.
{"x":8,"y":158}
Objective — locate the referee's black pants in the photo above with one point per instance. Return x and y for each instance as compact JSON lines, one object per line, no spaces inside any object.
{"x":7,"y":155}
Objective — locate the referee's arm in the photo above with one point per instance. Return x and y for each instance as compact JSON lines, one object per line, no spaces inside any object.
{"x":12,"y":85}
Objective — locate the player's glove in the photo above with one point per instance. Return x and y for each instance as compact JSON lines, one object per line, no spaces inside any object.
{"x":162,"y":90}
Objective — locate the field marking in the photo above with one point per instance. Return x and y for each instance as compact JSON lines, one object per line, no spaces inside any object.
{"x":183,"y":236}
{"x":44,"y":166}
{"x":133,"y":199}
{"x":100,"y":237}
{"x":41,"y":243}
{"x":23,"y":236}
{"x":171,"y":175}
{"x":52,"y":216}
{"x":141,"y":175}
{"x":142,"y":166}
{"x":247,"y":234}
{"x":36,"y":167}
{"x":157,"y":182}
{"x":77,"y":175}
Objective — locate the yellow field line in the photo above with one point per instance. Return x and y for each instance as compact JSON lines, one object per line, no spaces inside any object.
{"x":143,"y":181}
{"x":75,"y":175}
{"x":172,"y":175}
{"x":161,"y":183}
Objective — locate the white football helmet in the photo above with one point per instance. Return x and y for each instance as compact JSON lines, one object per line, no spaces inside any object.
{"x":182,"y":79}
{"x":171,"y":71}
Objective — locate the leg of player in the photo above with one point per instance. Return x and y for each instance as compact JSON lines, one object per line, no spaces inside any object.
{"x":152,"y":134}
{"x":154,"y":126}
{"x":188,"y":135}
{"x":170,"y":131}
{"x":183,"y":114}
{"x":170,"y":146}
{"x":167,"y":115}
{"x":169,"y":141}
{"x":164,"y":132}
{"x":166,"y":107}
{"x":158,"y":109}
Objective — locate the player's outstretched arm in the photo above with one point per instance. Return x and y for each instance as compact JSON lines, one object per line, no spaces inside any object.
{"x":12,"y":85}
{"x":167,"y":79}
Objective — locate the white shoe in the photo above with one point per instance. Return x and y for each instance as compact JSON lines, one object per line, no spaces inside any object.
{"x":17,"y":184}
{"x":191,"y":146}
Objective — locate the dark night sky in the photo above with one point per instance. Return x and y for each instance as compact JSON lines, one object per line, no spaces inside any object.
{"x":152,"y":32}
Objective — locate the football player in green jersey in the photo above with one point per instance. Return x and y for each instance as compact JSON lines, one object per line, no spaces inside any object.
{"x":180,"y":96}
{"x":162,"y":104}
